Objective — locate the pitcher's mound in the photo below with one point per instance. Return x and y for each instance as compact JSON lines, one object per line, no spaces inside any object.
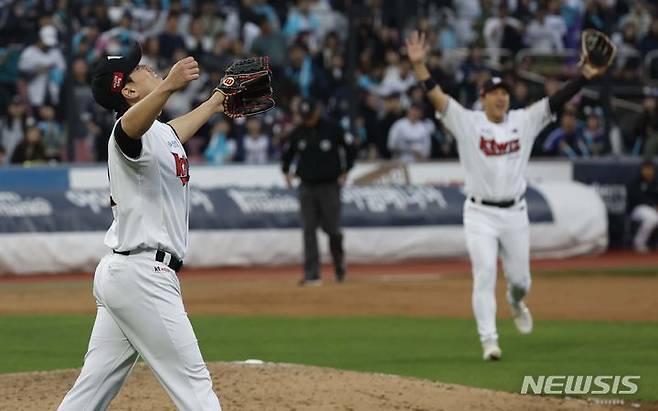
{"x":260,"y":387}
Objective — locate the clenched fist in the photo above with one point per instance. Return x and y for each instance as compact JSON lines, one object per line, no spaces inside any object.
{"x":182,"y":73}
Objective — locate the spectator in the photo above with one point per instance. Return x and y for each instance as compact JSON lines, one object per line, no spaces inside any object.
{"x":643,"y":126}
{"x":9,"y":73}
{"x":256,"y":143}
{"x":626,"y":42}
{"x":650,"y":41}
{"x":84,"y":43}
{"x":119,"y":39}
{"x":30,"y":149}
{"x":598,"y":16}
{"x":520,"y":96}
{"x":409,"y":139}
{"x":52,"y":133}
{"x":566,"y":140}
{"x":151,"y":54}
{"x":170,"y":39}
{"x":3,"y":156}
{"x":12,"y":126}
{"x":595,"y":141}
{"x":398,"y":76}
{"x":220,"y":56}
{"x":302,"y":19}
{"x":392,"y":112}
{"x":643,"y":204}
{"x":306,"y":75}
{"x":221,"y":149}
{"x":43,"y":66}
{"x":503,"y":31}
{"x":639,"y":16}
{"x":197,"y":42}
{"x":545,"y":33}
{"x":330,"y":49}
{"x":270,"y":43}
{"x":471,"y":74}
{"x":216,"y":19}
{"x":262,"y":8}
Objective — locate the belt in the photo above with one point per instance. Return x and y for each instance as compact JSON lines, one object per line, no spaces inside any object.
{"x":499,"y":204}
{"x":160,"y":256}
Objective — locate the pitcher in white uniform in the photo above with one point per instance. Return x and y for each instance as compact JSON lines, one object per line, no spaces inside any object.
{"x":140,"y":310}
{"x":494,"y":146}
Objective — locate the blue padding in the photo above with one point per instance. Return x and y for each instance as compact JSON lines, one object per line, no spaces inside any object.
{"x":249,"y":208}
{"x":38,"y":178}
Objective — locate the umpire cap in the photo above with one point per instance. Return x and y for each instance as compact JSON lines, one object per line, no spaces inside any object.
{"x":307,"y":107}
{"x":110,"y":75}
{"x":494,"y":83}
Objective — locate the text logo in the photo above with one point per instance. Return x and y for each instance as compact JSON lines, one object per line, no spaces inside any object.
{"x":493,"y":148}
{"x":182,"y":168}
{"x":580,"y":384}
{"x":117,"y":81}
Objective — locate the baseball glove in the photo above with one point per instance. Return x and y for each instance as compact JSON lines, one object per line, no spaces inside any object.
{"x":247,"y":86}
{"x":596,"y":49}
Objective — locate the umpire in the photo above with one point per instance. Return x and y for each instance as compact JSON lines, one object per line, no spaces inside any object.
{"x":325,"y":153}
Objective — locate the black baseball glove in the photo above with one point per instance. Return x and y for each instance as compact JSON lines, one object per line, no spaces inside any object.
{"x":596,"y":49}
{"x":247,"y":86}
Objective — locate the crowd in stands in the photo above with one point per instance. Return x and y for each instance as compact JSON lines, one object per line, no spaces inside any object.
{"x":47,"y":113}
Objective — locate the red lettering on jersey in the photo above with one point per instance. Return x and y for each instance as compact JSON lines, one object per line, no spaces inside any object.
{"x":493,"y":148}
{"x":182,"y":168}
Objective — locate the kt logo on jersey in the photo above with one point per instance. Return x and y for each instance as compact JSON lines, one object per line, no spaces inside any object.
{"x":493,"y":148}
{"x":182,"y":168}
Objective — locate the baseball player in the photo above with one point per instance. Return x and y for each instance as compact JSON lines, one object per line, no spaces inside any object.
{"x":140,"y":310}
{"x":494,"y":146}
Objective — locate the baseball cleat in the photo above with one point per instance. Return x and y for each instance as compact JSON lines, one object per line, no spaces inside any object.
{"x":340,"y":273}
{"x":310,"y":283}
{"x":522,"y":318}
{"x":491,"y":351}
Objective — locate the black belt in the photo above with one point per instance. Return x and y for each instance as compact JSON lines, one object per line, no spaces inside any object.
{"x":174,"y":263}
{"x":500,"y":204}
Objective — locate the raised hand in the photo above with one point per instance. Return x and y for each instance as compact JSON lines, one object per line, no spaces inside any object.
{"x":417,"y":47}
{"x":182,"y":73}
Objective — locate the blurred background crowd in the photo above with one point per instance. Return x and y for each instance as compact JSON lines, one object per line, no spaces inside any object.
{"x":347,"y":54}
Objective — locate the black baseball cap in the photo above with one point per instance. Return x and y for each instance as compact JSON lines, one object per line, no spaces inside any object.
{"x":307,"y":107}
{"x":110,"y":75}
{"x":494,"y":83}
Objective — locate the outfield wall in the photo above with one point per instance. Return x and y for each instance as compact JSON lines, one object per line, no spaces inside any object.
{"x":58,"y":230}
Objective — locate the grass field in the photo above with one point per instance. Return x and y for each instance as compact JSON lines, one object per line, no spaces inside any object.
{"x":436,"y":349}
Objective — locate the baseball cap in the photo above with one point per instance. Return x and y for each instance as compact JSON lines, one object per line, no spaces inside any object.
{"x":48,"y":35}
{"x":110,"y":75}
{"x":307,"y":107}
{"x":494,"y":83}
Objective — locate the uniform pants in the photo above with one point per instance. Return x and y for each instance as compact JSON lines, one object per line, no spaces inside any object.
{"x":320,"y":207}
{"x":140,"y":313}
{"x":489,"y":231}
{"x":647,"y":216}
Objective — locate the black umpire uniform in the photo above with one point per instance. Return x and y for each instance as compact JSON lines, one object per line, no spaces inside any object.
{"x":325,"y":153}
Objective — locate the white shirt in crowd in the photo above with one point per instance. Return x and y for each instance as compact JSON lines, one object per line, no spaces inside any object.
{"x":547,"y":35}
{"x":409,"y":141}
{"x":11,"y":133}
{"x":39,"y":64}
{"x":255,"y":149}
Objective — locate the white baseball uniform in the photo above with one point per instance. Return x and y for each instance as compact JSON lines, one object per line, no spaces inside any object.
{"x":495,"y":157}
{"x":140,"y":310}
